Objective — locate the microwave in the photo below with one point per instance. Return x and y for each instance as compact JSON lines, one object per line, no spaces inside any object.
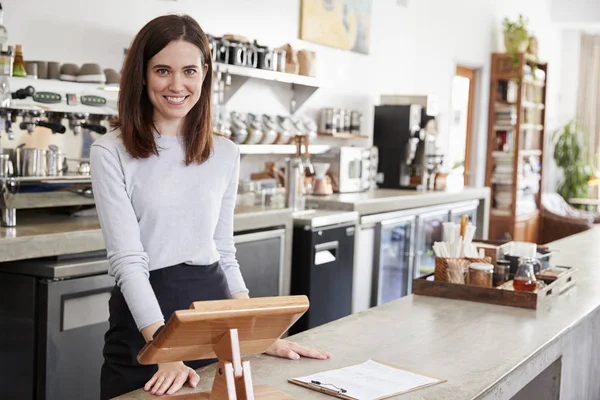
{"x":348,"y":169}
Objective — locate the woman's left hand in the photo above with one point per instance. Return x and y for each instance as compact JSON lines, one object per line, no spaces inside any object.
{"x":286,"y":349}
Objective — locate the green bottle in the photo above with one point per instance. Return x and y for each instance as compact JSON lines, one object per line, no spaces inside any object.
{"x":19,"y":64}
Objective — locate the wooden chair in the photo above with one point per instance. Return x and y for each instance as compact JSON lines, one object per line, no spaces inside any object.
{"x":559,"y":219}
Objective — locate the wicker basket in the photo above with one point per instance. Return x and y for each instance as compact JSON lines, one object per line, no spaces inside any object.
{"x":442,"y":273}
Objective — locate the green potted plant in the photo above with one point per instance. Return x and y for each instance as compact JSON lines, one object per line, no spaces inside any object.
{"x":516,"y":39}
{"x":569,"y":156}
{"x":516,"y":35}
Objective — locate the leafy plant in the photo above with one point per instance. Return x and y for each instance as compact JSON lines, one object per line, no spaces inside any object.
{"x":569,"y":155}
{"x":516,"y":38}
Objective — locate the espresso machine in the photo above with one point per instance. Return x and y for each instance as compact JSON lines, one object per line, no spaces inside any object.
{"x":50,"y":125}
{"x":405,"y":134}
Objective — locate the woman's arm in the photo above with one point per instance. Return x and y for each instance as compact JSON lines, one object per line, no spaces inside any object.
{"x":127,"y":258}
{"x":223,"y":236}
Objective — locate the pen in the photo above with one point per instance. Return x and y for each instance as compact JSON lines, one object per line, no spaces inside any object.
{"x":340,"y":390}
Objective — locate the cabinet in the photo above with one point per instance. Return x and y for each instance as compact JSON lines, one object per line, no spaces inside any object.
{"x":322,"y":269}
{"x":517,"y":107}
{"x":261,"y":259}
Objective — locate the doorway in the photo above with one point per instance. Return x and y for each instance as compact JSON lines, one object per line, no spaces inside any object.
{"x":461,"y":126}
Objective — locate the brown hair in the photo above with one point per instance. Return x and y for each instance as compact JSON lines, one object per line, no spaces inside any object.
{"x":135,"y":109}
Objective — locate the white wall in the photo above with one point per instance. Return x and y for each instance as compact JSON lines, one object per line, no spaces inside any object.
{"x":575,"y":10}
{"x":414,"y":49}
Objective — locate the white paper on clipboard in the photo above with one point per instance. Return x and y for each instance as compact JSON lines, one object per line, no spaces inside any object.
{"x":370,"y":380}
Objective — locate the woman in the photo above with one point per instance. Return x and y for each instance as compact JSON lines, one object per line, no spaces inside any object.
{"x":165,"y":191}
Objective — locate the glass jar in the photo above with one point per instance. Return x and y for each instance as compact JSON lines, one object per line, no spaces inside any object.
{"x":525,"y":279}
{"x":6,"y":63}
{"x":481,"y":274}
{"x":501,"y":272}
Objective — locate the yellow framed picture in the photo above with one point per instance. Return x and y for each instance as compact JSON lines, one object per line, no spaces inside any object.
{"x":343,"y":24}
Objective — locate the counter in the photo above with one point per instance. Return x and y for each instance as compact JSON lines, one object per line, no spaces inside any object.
{"x":44,"y":234}
{"x":485,"y":351}
{"x":387,"y":200}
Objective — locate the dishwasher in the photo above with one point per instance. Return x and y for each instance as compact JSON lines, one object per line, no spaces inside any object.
{"x":323,"y":265}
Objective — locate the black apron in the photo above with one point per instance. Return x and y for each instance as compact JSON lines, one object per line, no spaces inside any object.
{"x":176,"y":288}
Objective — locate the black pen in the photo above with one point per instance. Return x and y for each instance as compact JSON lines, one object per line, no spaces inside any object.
{"x":339,"y":389}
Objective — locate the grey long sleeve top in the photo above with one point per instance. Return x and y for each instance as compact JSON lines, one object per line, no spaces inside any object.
{"x":158,"y":212}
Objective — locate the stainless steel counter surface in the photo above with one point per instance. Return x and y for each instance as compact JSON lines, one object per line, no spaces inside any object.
{"x":320,"y":218}
{"x":485,"y":351}
{"x":387,"y":200}
{"x":44,"y":234}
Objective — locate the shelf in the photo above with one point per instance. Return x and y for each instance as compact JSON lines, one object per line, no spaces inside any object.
{"x":302,"y":86}
{"x":532,"y":105}
{"x":527,"y":214}
{"x":343,"y":135}
{"x":500,"y":214}
{"x":537,"y":127}
{"x":503,"y":154}
{"x":505,"y":127}
{"x":257,"y":73}
{"x":530,"y":153}
{"x":529,"y":80}
{"x":280,"y":148}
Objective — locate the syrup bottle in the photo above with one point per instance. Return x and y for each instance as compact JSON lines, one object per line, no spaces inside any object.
{"x":525,"y":279}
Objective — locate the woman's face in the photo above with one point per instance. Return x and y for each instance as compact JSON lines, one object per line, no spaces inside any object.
{"x":174,"y":80}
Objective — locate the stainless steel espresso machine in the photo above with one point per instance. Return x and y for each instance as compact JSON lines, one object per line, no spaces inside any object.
{"x":405,"y":134}
{"x":46,"y":129}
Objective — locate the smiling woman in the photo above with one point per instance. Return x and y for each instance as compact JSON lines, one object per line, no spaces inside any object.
{"x":165,"y":190}
{"x":171,"y":56}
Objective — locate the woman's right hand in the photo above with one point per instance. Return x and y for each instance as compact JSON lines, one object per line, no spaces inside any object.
{"x":171,"y":377}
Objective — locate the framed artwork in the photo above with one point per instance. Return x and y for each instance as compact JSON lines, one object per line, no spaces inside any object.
{"x":343,"y":24}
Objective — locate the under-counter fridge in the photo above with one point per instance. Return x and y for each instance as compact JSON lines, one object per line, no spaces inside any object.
{"x":430,"y":229}
{"x":393,"y":249}
{"x":53,"y":314}
{"x":385,"y":254}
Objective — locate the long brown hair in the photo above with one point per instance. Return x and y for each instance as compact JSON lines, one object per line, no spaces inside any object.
{"x":135,"y":109}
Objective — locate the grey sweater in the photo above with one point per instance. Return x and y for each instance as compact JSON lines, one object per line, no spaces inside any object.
{"x":157,"y":212}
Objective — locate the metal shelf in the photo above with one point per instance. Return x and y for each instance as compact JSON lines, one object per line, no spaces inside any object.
{"x":280,"y":148}
{"x":302,"y":86}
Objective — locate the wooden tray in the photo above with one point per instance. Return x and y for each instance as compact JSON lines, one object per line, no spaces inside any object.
{"x":426,"y":286}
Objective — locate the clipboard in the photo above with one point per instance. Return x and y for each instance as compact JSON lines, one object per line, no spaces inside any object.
{"x":227,"y":330}
{"x":328,"y":387}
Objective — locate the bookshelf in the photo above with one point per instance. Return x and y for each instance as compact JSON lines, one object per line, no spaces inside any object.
{"x":516,"y":125}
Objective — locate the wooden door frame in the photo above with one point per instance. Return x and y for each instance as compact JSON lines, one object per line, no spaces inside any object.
{"x":469,"y":73}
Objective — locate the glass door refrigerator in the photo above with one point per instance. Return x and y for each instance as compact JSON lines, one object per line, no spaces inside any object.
{"x":430,"y":229}
{"x":393,"y":258}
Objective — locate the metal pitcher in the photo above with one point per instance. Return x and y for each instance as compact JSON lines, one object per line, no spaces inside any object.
{"x":6,"y":166}
{"x":56,"y":161}
{"x":31,"y":162}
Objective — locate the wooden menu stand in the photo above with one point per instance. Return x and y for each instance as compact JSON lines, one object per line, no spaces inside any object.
{"x":226,"y":329}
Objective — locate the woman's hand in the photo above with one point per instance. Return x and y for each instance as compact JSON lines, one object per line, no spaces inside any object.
{"x":170,"y":377}
{"x":286,"y":349}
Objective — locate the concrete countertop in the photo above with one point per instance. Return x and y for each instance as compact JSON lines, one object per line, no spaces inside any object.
{"x":485,"y":351}
{"x":387,"y":200}
{"x":44,"y":234}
